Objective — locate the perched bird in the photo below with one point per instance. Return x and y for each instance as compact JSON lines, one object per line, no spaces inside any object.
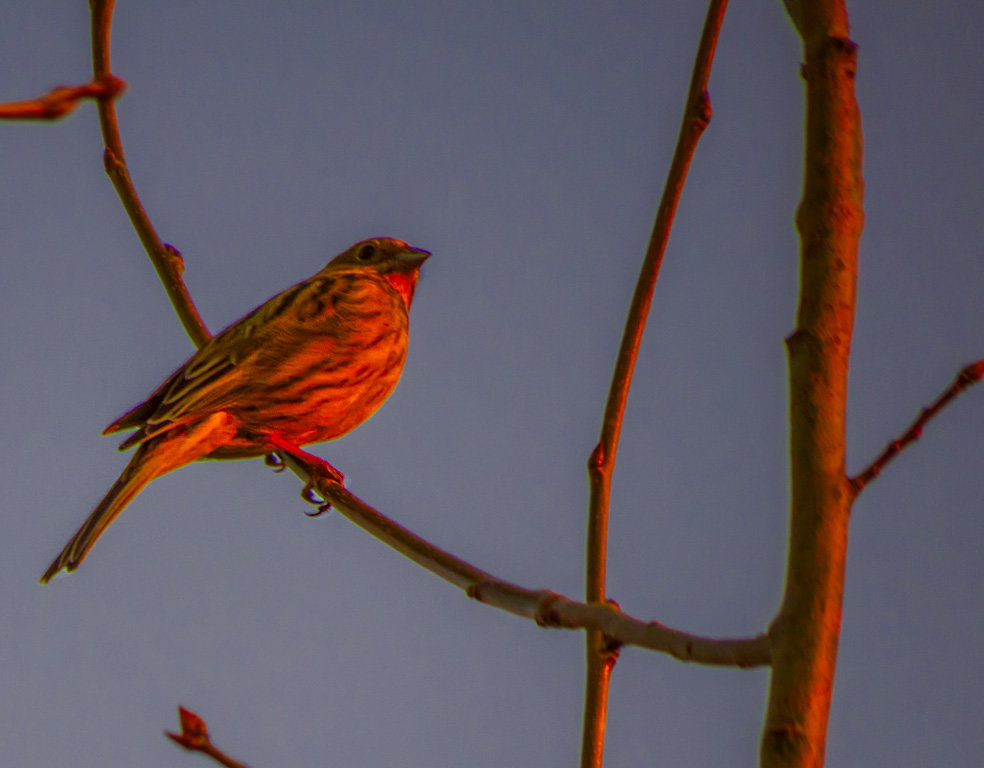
{"x":309,"y":365}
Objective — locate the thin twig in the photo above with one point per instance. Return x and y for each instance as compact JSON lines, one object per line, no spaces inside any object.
{"x":965,"y":379}
{"x":194,"y":737}
{"x":166,"y":259}
{"x":547,"y":608}
{"x":62,"y":99}
{"x":697,"y":115}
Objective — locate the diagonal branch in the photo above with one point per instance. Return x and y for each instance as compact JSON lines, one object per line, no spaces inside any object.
{"x":601,"y":464}
{"x":62,"y":99}
{"x":964,"y":380}
{"x":165,"y":258}
{"x":548,"y":609}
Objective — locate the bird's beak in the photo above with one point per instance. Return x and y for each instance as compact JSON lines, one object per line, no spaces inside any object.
{"x":413,"y":256}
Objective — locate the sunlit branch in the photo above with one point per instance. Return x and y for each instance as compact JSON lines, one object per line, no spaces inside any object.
{"x":545,"y":607}
{"x":166,"y":259}
{"x":62,"y":99}
{"x":829,"y":220}
{"x":600,"y":657}
{"x":194,"y":737}
{"x":965,"y":379}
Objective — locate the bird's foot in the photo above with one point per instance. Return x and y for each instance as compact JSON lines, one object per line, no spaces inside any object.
{"x":275,"y":462}
{"x":311,"y":497}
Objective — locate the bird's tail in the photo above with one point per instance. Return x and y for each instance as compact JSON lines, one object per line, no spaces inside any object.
{"x":138,"y":473}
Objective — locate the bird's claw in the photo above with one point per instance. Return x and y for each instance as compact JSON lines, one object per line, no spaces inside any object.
{"x":275,"y":462}
{"x":326,"y":507}
{"x":309,"y":495}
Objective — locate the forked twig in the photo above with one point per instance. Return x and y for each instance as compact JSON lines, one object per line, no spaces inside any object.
{"x":194,"y":737}
{"x":696,"y":117}
{"x":964,"y":380}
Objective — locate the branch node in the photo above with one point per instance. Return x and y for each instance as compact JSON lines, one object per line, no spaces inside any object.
{"x":174,"y":258}
{"x":474,"y":590}
{"x":797,"y":340}
{"x":784,"y":740}
{"x":113,"y":165}
{"x":108,"y":87}
{"x":597,"y":458}
{"x":546,"y":614}
{"x":702,"y":111}
{"x":610,"y":648}
{"x":843,"y":45}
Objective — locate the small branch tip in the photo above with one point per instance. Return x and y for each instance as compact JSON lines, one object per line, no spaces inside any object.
{"x":967,"y":377}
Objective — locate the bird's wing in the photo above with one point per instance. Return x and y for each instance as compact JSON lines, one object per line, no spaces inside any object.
{"x":215,"y":375}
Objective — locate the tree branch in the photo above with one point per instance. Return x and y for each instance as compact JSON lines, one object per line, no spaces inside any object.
{"x":608,"y":627}
{"x":806,"y":630}
{"x":165,"y":258}
{"x":194,"y":737}
{"x":965,"y":379}
{"x":548,"y":609}
{"x":600,"y":652}
{"x":62,"y":99}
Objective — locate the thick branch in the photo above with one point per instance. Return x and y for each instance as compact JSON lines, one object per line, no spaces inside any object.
{"x":62,"y":99}
{"x":807,"y":628}
{"x":546,"y":608}
{"x":965,"y":379}
{"x":600,"y":657}
{"x":166,"y":259}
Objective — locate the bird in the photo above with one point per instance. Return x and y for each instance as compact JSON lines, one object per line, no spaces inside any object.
{"x":308,"y":365}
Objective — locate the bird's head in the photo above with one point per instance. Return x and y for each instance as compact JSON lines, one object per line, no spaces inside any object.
{"x":395,"y":260}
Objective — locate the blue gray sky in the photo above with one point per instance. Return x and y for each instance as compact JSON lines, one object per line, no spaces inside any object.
{"x":525,"y":144}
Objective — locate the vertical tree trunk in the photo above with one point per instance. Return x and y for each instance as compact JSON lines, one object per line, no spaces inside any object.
{"x":829,"y":220}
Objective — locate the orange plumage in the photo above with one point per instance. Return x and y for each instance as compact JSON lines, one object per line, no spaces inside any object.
{"x":309,"y":365}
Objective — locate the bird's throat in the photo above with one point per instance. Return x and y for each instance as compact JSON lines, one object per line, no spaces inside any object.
{"x":404,"y":283}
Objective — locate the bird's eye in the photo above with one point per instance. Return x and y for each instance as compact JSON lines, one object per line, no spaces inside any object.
{"x":366,"y":252}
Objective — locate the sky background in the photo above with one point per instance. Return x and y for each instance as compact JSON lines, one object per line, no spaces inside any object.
{"x":525,"y":144}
